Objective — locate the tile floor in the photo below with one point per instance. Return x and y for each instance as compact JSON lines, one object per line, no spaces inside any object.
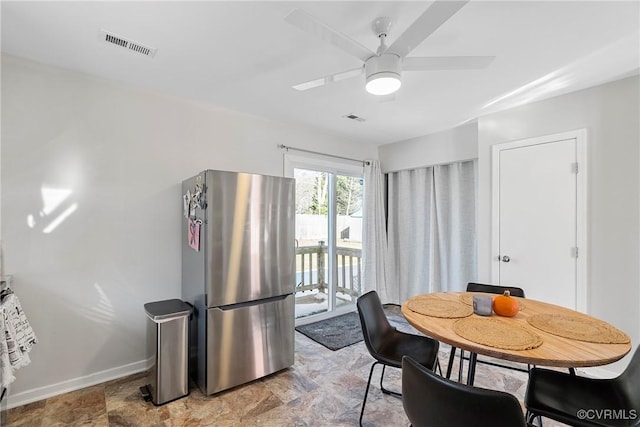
{"x":323,"y":388}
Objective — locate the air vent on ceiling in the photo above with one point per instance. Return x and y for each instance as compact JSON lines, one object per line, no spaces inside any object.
{"x":354,"y":117}
{"x":126,"y":43}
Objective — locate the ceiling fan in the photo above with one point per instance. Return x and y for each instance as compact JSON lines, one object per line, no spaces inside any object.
{"x":383,"y":67}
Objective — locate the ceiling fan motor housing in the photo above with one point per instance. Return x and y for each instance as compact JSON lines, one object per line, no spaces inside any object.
{"x":387,"y":63}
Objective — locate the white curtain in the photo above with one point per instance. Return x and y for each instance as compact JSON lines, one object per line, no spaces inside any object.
{"x":431,"y":229}
{"x":375,"y":234}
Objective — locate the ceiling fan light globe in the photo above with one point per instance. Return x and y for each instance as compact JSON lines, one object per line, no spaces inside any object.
{"x":384,"y":83}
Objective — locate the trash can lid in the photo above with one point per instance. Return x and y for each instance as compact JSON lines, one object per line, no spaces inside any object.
{"x":167,"y":309}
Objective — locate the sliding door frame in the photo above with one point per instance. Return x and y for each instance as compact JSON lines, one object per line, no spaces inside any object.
{"x":332,"y":168}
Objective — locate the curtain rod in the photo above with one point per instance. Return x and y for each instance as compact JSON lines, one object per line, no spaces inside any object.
{"x":284,"y":147}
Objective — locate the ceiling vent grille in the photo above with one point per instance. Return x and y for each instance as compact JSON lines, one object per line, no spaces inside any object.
{"x":354,"y":117}
{"x":126,"y":43}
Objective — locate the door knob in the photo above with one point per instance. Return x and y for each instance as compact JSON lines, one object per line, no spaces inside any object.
{"x":505,"y":258}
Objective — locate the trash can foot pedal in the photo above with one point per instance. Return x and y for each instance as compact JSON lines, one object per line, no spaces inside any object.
{"x":146,"y":394}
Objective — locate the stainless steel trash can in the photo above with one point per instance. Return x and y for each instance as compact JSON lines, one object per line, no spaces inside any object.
{"x":168,"y":343}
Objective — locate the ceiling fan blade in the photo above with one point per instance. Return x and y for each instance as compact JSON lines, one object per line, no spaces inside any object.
{"x":429,"y":63}
{"x":329,"y":79}
{"x":432,"y":18}
{"x":313,"y":25}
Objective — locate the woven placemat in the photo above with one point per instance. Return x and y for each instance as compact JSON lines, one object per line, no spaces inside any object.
{"x":468,"y":298}
{"x":579,"y":328}
{"x":431,"y":305}
{"x":497,"y":333}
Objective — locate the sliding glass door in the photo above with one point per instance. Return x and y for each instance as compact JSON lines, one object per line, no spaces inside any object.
{"x":312,"y":238}
{"x":328,"y":237}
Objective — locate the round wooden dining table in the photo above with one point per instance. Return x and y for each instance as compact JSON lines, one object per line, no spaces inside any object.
{"x":555,"y":351}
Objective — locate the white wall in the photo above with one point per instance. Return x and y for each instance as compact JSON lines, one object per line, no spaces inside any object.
{"x":453,"y":145}
{"x":611,"y":115}
{"x":117,"y":154}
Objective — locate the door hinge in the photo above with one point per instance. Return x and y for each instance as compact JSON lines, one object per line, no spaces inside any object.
{"x":574,"y":252}
{"x":574,"y":167}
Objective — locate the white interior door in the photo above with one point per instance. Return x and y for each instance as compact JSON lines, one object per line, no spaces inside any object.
{"x":537,"y":232}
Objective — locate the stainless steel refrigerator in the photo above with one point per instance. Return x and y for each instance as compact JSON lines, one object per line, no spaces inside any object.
{"x":238,"y":272}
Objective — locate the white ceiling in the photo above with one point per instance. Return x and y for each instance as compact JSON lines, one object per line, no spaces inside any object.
{"x":243,"y":56}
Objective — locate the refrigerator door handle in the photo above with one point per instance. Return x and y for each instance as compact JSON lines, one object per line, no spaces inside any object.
{"x":252,"y":303}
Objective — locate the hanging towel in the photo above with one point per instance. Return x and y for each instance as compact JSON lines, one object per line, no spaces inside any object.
{"x":19,"y":336}
{"x":6,"y":372}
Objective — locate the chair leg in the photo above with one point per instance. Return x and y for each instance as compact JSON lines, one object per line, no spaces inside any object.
{"x":452,"y":356}
{"x":530,"y":418}
{"x":461,"y":368}
{"x":384,"y":390}
{"x":471,"y":374}
{"x":366,"y":391}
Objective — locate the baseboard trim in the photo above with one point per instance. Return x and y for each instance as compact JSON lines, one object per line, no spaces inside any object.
{"x":40,"y":393}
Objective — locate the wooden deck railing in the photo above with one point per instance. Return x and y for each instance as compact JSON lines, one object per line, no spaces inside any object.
{"x":311,"y":264}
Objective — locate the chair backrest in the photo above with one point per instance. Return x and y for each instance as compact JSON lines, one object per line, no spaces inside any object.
{"x":434,"y":401}
{"x":495,"y":289}
{"x":629,"y":382}
{"x":375,"y":326}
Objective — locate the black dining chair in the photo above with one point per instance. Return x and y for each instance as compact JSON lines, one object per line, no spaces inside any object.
{"x":489,"y":289}
{"x":430,"y":400}
{"x":585,"y":402}
{"x":387,"y":345}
